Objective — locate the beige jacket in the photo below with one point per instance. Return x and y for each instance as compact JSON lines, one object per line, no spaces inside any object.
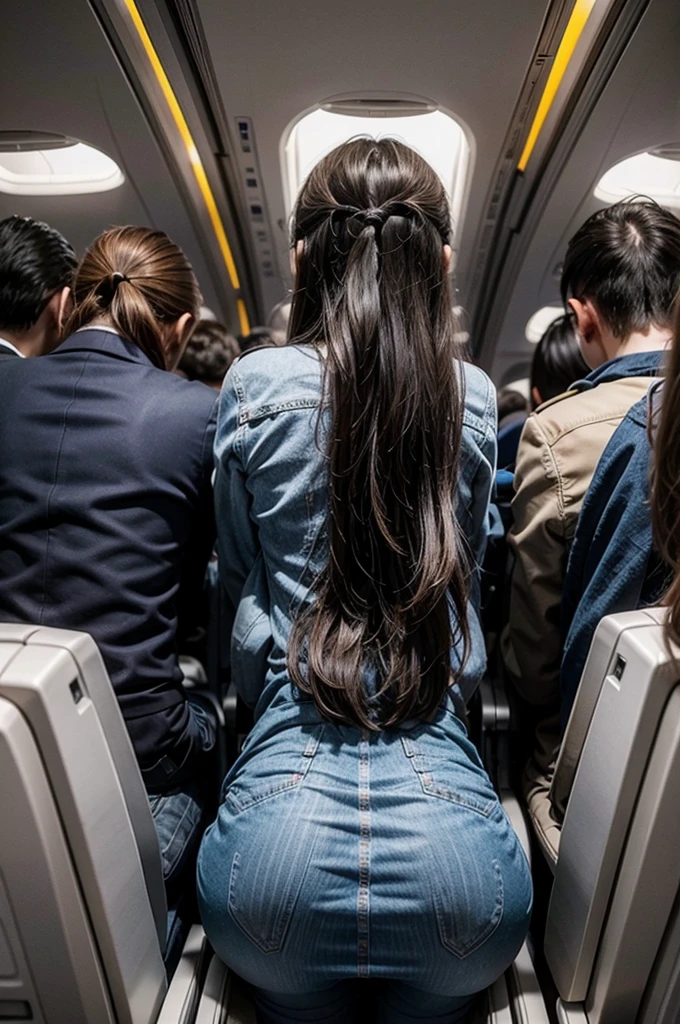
{"x":560,"y":447}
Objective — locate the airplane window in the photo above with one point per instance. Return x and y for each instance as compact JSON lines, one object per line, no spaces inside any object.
{"x":66,"y":168}
{"x":439,"y":138}
{"x":539,"y":323}
{"x":521,"y":385}
{"x":655,"y":174}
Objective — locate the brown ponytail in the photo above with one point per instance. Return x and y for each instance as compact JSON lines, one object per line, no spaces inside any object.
{"x":139,"y":280}
{"x":665,"y":490}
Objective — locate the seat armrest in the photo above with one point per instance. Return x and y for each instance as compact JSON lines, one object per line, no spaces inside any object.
{"x":495,"y":706}
{"x":526,"y":998}
{"x":213,"y":1007}
{"x":571,"y":1013}
{"x":513,"y":809}
{"x":182,"y":998}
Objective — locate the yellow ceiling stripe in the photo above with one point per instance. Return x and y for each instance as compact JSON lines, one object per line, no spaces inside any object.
{"x":194,"y":158}
{"x":572,"y":33}
{"x":243,"y":316}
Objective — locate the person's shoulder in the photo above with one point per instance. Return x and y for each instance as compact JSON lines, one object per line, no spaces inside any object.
{"x":272,"y":360}
{"x":188,"y":399}
{"x":480,"y":398}
{"x":269,"y":380}
{"x":580,"y":409}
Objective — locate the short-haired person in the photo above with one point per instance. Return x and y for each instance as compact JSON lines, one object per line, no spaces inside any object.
{"x":260,"y":337}
{"x":513,"y":410}
{"x":359,"y":835}
{"x":209,"y":353}
{"x":620,"y":277}
{"x":36,"y":273}
{"x":112,"y":510}
{"x":557,"y":362}
{"x":626,"y":552}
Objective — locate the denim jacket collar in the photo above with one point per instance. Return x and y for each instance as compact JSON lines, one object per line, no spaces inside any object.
{"x":637,"y":364}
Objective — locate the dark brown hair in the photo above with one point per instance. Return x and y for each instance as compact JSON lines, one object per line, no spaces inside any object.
{"x":140,"y":280}
{"x":665,"y":484}
{"x":374,"y":648}
{"x":626,"y":259}
{"x":210,"y":353}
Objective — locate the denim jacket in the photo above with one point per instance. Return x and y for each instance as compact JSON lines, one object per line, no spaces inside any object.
{"x":612,"y":565}
{"x":272,"y":496}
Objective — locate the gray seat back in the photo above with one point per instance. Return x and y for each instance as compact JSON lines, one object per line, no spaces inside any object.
{"x":594,"y":674}
{"x":609,"y":908}
{"x":80,"y":863}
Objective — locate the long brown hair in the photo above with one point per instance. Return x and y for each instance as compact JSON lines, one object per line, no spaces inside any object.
{"x":140,"y":280}
{"x":665,"y":485}
{"x":372,"y":285}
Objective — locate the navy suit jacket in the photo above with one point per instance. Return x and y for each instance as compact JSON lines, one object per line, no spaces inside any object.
{"x":105,"y":508}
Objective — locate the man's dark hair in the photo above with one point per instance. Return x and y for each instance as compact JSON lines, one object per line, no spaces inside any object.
{"x":510,"y":401}
{"x":259,"y":337}
{"x":210,"y":352}
{"x":557,"y":362}
{"x":35,"y":262}
{"x":626,"y":260}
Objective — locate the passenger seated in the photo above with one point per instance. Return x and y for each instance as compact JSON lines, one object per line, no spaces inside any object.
{"x":261,"y":337}
{"x":557,"y":362}
{"x":106,"y":503}
{"x":511,"y":404}
{"x":513,"y":410}
{"x":36,"y":273}
{"x":618,"y":562}
{"x":620,"y":276}
{"x":359,"y":835}
{"x":209,"y":353}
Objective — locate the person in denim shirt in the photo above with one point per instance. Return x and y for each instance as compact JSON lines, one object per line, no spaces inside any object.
{"x":359,"y":835}
{"x":613,"y":566}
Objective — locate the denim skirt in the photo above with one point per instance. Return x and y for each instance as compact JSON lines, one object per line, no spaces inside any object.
{"x":341,"y":854}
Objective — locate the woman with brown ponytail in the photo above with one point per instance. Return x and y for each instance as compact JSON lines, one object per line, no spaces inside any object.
{"x":359,"y":836}
{"x":106,"y":502}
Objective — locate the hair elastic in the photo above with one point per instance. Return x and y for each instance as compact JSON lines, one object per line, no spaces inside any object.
{"x":109,"y":286}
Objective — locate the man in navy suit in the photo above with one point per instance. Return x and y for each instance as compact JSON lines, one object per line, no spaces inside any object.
{"x":36,"y":271}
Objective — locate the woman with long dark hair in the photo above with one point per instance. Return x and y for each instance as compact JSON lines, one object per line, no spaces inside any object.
{"x":359,"y":836}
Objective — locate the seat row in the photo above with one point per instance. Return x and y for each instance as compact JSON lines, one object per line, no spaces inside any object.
{"x":82,"y":901}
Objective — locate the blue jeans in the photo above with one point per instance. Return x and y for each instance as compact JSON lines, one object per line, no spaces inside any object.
{"x":179,"y":818}
{"x":338,"y":855}
{"x":345,"y":1001}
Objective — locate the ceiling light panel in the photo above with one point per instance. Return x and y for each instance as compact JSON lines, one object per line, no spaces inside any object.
{"x":645,"y":174}
{"x":435,"y":135}
{"x":540,"y":322}
{"x":69,"y":170}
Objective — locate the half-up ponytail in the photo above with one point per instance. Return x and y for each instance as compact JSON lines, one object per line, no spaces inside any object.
{"x":375,"y":647}
{"x":138,"y":280}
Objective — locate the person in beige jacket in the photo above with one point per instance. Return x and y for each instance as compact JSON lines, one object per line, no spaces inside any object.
{"x":620,"y":277}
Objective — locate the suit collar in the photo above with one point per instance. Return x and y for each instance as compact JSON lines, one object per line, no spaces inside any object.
{"x":7,"y":349}
{"x":106,"y":342}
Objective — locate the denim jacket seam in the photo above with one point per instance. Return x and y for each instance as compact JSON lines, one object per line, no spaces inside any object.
{"x":488,"y":408}
{"x":251,"y":414}
{"x":240,"y":444}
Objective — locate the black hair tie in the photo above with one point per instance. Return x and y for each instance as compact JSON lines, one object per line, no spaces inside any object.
{"x":374,"y":217}
{"x":109,"y":286}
